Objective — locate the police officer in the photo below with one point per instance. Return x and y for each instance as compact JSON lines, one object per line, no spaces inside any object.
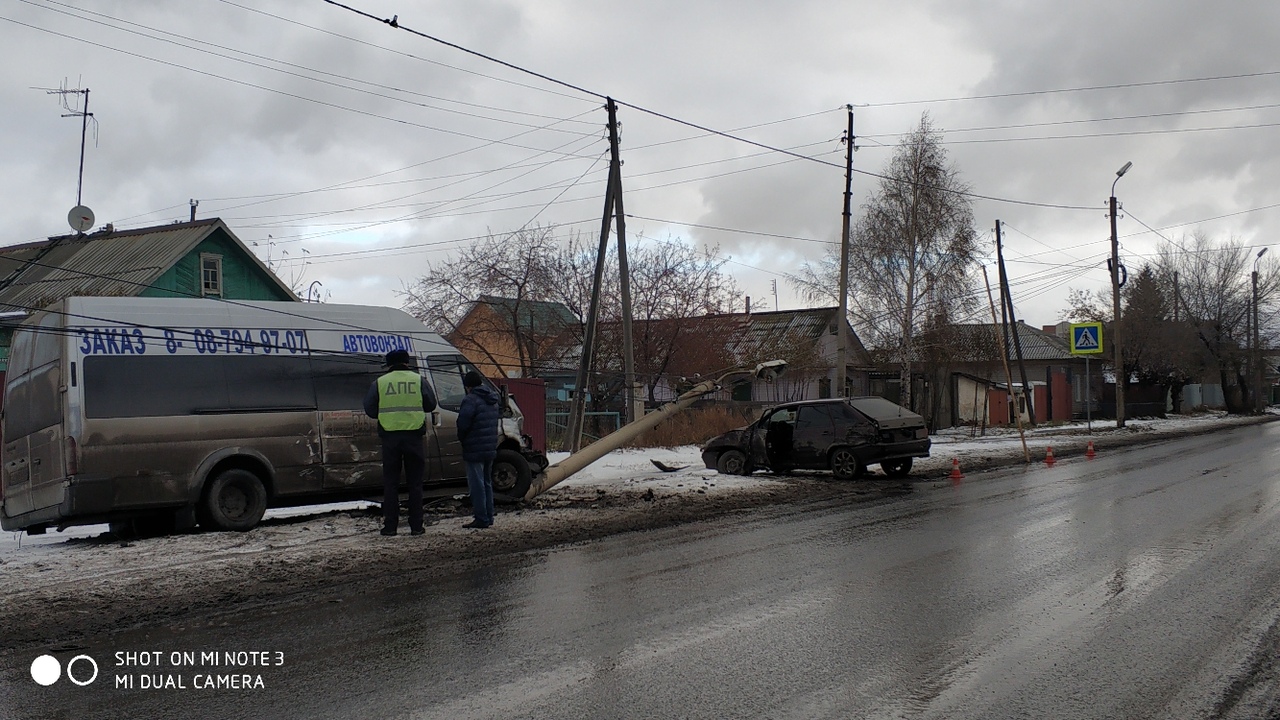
{"x":400,"y":401}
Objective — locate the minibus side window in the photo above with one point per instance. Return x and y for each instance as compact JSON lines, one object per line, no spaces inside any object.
{"x":163,"y":386}
{"x":341,"y":381}
{"x":48,"y":341}
{"x":446,"y":376}
{"x":33,"y":403}
{"x":152,"y":386}
{"x":20,"y":352}
{"x":269,"y":383}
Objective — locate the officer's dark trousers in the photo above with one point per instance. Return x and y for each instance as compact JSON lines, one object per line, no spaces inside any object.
{"x":402,"y":450}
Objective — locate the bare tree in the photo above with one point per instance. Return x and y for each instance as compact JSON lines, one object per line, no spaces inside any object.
{"x":1158,"y":350}
{"x":513,"y":277}
{"x":912,"y":254}
{"x":1215,"y":292}
{"x":671,"y":283}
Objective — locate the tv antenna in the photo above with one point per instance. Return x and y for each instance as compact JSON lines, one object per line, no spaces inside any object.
{"x":80,"y":218}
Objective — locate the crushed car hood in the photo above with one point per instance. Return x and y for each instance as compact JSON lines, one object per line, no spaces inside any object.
{"x":733,"y":437}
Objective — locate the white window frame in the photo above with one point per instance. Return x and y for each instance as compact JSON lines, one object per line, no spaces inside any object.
{"x":214,"y":288}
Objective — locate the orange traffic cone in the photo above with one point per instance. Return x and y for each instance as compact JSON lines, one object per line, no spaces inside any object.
{"x":1048,"y":457}
{"x":955,"y":470}
{"x":1089,"y":453}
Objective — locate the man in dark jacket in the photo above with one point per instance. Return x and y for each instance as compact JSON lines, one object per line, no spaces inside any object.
{"x":478,"y":433}
{"x":401,"y":403}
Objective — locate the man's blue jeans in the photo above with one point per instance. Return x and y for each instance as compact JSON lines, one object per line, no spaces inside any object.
{"x":480,"y":485}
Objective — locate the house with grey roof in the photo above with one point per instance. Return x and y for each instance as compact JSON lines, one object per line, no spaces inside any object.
{"x":959,"y":377}
{"x":806,"y":338}
{"x":202,"y":258}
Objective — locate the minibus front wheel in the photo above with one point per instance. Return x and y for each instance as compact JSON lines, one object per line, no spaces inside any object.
{"x":511,"y":474}
{"x":234,"y":500}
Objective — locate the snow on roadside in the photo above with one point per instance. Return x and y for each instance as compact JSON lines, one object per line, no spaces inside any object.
{"x":631,"y":471}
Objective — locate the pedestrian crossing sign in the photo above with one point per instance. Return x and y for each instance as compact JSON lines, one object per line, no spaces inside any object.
{"x":1086,"y":338}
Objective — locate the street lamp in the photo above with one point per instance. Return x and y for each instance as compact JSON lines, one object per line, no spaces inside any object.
{"x":1257,"y":339}
{"x":1115,"y":301}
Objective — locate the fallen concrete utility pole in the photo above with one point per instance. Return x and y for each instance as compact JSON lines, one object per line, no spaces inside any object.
{"x":562,"y":470}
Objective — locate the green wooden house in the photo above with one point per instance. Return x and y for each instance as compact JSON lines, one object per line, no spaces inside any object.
{"x":202,"y":258}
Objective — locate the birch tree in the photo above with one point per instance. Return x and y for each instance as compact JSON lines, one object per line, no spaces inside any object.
{"x":911,"y":256}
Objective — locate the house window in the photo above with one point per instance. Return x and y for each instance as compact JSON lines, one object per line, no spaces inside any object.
{"x":211,"y":275}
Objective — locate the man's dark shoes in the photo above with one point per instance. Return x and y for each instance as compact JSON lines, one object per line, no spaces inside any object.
{"x":388,"y":532}
{"x":475,"y":524}
{"x":419,"y":531}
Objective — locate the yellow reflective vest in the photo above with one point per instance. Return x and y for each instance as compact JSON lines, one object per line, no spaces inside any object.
{"x":400,"y":401}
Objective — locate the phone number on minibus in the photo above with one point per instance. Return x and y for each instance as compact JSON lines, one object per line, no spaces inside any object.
{"x":205,"y":341}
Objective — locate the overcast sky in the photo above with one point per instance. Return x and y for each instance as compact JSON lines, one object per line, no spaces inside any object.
{"x":330,"y":138}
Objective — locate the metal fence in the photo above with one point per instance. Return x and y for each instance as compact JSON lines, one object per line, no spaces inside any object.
{"x":595,"y":425}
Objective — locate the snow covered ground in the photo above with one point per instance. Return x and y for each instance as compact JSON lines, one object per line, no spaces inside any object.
{"x":633,"y":470}
{"x":86,"y":581}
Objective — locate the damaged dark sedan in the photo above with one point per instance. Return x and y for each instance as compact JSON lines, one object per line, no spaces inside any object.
{"x":843,"y":435}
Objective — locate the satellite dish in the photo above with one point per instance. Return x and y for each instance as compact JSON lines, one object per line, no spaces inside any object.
{"x":80,"y":218}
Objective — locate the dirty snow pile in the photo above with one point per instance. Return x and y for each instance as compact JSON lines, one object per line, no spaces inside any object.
{"x":634,"y":470}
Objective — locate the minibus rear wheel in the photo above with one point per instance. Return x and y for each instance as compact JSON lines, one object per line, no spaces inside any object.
{"x":234,"y":500}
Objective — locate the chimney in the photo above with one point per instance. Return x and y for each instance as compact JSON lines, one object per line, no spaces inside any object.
{"x":748,"y":306}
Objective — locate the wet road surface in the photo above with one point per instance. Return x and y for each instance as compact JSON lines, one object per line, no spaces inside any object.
{"x":1143,"y":584}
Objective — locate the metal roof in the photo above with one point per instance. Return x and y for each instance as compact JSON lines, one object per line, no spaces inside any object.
{"x":762,"y":330}
{"x":104,"y":263}
{"x":981,"y":343}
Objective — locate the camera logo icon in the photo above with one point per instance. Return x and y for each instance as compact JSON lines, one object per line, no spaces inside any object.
{"x":46,"y":670}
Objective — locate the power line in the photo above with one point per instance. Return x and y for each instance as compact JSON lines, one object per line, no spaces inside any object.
{"x":245,"y":83}
{"x":427,"y":213}
{"x":107,"y":23}
{"x":1123,"y":133}
{"x":1149,"y":116}
{"x":397,"y":52}
{"x":732,"y":230}
{"x":393,"y":22}
{"x":1086,"y":88}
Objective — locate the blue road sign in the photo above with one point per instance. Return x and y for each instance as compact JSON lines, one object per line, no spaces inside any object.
{"x":1086,"y":338}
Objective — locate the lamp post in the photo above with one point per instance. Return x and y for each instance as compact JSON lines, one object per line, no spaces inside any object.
{"x":1258,"y":404}
{"x":1115,"y":301}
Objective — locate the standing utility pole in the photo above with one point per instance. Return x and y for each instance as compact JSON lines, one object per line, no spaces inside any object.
{"x":1004,"y":357}
{"x":842,"y":345}
{"x":1116,"y":342}
{"x":1258,"y":403}
{"x":630,"y":394}
{"x":1013,"y":323}
{"x":612,"y":203}
{"x":1177,"y":296}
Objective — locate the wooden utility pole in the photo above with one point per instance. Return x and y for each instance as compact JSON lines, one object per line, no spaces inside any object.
{"x":842,"y":346}
{"x":631,"y":412}
{"x":1013,"y":323}
{"x":1004,"y":356}
{"x":612,"y":207}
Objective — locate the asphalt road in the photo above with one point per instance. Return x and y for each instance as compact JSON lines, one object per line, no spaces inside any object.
{"x":1142,"y":584}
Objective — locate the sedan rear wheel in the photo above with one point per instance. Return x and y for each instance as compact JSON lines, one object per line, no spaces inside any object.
{"x":845,"y":464}
{"x":896,"y":468}
{"x":732,"y":462}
